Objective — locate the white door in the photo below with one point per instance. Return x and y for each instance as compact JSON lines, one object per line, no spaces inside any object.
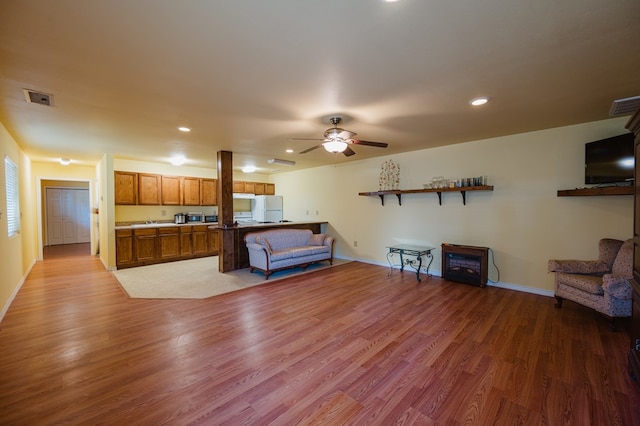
{"x":68,"y":218}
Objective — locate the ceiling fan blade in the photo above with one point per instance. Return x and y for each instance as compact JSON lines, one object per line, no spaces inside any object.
{"x":370,"y":143}
{"x":346,"y":134}
{"x":311,"y":149}
{"x":348,"y":152}
{"x":305,"y":139}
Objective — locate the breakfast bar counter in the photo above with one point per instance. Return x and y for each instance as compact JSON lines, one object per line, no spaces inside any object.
{"x":233,"y":253}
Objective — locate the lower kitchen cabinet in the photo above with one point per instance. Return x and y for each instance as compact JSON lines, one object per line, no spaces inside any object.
{"x":199,"y":237}
{"x":212,"y":242}
{"x":146,"y":246}
{"x":186,"y":244}
{"x":124,"y":248}
{"x":145,"y":241}
{"x":168,"y":243}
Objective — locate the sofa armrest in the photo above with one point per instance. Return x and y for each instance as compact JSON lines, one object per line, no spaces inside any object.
{"x":577,"y":266}
{"x":617,"y":286}
{"x":258,"y":247}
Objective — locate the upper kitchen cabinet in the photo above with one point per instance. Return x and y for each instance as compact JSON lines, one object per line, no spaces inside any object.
{"x":126,"y":188}
{"x":171,"y":191}
{"x":269,"y":189}
{"x":149,"y":189}
{"x":208,"y":192}
{"x":191,"y":191}
{"x":258,"y":188}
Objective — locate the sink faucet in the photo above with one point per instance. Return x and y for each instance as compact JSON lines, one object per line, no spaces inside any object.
{"x":149,"y":221}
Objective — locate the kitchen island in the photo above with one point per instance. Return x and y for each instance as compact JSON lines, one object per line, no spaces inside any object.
{"x":233,"y":253}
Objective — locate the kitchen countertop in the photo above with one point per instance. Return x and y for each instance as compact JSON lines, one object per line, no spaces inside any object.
{"x":159,"y":225}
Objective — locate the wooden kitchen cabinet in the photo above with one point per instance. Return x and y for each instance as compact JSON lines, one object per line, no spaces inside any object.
{"x":250,"y":187}
{"x":145,"y":245}
{"x":199,"y":239}
{"x":124,"y":248}
{"x":259,"y":188}
{"x":208,"y":192}
{"x":149,"y":189}
{"x":171,"y":191}
{"x":126,"y":188}
{"x":212,"y":242}
{"x":269,"y":189}
{"x":168,"y":243}
{"x":186,"y":243}
{"x":238,"y":187}
{"x":191,"y":191}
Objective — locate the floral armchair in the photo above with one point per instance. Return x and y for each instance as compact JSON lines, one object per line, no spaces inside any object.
{"x":603,"y":285}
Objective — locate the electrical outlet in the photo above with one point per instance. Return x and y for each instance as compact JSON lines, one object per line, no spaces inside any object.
{"x":355,"y":244}
{"x":317,"y":212}
{"x":307,"y":212}
{"x":163,"y":212}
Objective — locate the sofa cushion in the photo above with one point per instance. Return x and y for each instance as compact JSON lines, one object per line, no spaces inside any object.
{"x":316,"y":240}
{"x":589,"y":283}
{"x":286,"y":238}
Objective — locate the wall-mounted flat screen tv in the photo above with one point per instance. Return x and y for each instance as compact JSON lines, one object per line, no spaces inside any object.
{"x":609,"y":161}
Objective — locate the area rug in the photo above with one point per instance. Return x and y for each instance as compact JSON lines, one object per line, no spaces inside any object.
{"x":197,"y":279}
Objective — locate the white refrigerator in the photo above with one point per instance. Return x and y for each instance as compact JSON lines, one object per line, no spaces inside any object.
{"x":267,"y":208}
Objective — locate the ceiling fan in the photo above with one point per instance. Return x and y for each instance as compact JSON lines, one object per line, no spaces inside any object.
{"x":337,"y":140}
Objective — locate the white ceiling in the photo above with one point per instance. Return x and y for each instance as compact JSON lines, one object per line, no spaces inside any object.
{"x":246,"y":75}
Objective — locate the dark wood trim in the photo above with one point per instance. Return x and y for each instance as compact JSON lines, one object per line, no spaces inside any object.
{"x":606,"y":190}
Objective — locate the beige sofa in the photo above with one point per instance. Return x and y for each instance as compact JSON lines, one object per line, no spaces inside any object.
{"x":278,"y":249}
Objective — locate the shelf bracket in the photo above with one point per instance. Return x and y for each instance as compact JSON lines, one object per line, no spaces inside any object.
{"x":464,"y":197}
{"x":381,"y":198}
{"x":439,"y":197}
{"x":399,"y":198}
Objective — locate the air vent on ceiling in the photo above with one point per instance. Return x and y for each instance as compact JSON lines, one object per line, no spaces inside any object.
{"x":40,"y":98}
{"x":624,"y":106}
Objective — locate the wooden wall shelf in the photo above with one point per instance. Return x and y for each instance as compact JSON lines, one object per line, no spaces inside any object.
{"x":398,"y":192}
{"x":605,"y":190}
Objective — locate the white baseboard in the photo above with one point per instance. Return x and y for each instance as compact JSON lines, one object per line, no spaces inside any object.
{"x":15,"y":291}
{"x":508,"y":286}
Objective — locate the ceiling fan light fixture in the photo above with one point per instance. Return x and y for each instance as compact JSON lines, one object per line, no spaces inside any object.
{"x":335,"y":146}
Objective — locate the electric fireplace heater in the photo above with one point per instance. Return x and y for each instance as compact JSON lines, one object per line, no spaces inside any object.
{"x":465,"y":264}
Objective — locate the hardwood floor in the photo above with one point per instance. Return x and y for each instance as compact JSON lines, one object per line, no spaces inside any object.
{"x":346,"y":345}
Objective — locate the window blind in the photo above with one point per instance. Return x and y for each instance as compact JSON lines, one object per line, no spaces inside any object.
{"x":13,"y":206}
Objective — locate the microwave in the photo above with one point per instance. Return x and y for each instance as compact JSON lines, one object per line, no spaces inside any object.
{"x":194,"y":217}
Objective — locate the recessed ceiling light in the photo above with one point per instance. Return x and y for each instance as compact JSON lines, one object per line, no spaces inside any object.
{"x":184,"y":129}
{"x":479,"y":101}
{"x":249,"y":169}
{"x":65,"y":161}
{"x":178,"y":160}
{"x":289,"y":151}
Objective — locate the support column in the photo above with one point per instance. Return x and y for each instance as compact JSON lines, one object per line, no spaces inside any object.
{"x":226,"y":236}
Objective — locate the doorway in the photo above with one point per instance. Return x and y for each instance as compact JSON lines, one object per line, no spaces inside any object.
{"x":68,"y":216}
{"x":65,"y":218}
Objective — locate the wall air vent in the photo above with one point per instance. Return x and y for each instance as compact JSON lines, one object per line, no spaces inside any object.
{"x":626,"y":106}
{"x":34,"y":97}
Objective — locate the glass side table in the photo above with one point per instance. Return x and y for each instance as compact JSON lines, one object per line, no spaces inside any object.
{"x":411,"y":255}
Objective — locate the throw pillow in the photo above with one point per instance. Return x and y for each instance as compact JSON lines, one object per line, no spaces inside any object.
{"x":316,"y":240}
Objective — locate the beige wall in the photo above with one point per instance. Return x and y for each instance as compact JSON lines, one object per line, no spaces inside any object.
{"x":18,"y":253}
{"x":522,"y":220}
